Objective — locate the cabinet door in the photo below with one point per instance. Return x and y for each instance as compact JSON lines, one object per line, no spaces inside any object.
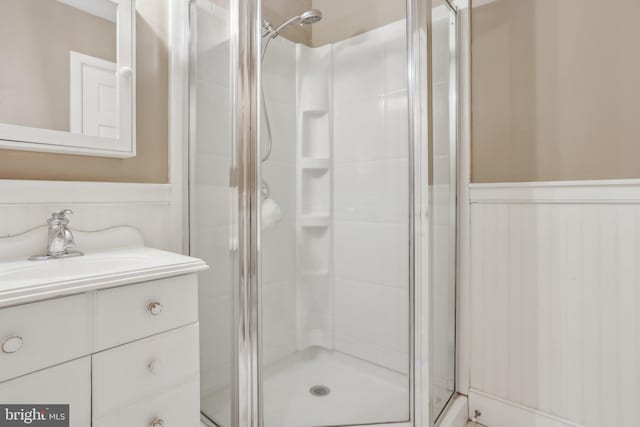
{"x":69,"y":383}
{"x":50,"y":332}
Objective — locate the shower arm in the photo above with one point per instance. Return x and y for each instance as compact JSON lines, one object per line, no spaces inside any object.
{"x":286,"y":24}
{"x":267,"y":28}
{"x":269,"y":32}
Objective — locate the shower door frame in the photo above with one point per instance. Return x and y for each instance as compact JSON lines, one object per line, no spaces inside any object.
{"x":245,"y":44}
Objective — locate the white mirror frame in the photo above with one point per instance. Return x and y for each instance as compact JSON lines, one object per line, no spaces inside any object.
{"x":25,"y":138}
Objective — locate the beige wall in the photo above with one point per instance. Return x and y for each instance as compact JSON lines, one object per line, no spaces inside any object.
{"x":343,"y":19}
{"x":556,"y":90}
{"x":35,"y":64}
{"x":151,"y":163}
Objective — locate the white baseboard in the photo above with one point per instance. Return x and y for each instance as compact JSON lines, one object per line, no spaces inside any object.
{"x":457,"y":414}
{"x":496,"y":412}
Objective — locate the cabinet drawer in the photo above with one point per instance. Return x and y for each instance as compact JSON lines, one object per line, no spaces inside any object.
{"x":144,"y":369}
{"x":38,"y":335}
{"x":69,"y":383}
{"x":179,"y":407}
{"x":128,"y":313}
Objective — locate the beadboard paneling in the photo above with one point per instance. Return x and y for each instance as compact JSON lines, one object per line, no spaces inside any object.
{"x":554,"y":291}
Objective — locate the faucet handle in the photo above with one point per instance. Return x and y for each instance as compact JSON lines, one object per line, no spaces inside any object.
{"x":59,"y":218}
{"x":62,"y":214}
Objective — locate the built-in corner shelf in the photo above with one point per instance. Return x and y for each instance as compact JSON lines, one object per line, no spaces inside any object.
{"x":316,"y":220}
{"x":314,"y":197}
{"x":315,"y":163}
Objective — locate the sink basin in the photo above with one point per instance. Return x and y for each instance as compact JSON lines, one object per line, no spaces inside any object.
{"x":113,"y":257}
{"x":24,"y":281}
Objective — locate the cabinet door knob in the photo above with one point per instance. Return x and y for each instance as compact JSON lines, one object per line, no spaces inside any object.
{"x":126,"y":72}
{"x":154,"y":366}
{"x":157,"y":422}
{"x":155,"y":308}
{"x":12,"y":344}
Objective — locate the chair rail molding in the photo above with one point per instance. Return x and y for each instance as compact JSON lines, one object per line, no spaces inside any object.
{"x":596,"y":191}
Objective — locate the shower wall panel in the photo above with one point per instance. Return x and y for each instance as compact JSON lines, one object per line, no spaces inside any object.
{"x":352,"y":107}
{"x":371,"y":197}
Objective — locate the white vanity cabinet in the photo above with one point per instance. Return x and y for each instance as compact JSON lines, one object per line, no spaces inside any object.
{"x":118,"y":355}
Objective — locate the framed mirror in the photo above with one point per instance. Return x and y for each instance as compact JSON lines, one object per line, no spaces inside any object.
{"x":67,"y":81}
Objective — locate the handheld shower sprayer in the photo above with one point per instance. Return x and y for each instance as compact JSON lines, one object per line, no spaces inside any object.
{"x":309,"y":17}
{"x":271,"y":212}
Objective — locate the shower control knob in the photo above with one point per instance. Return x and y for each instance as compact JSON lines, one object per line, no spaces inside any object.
{"x":12,"y":345}
{"x":157,"y":422}
{"x":155,"y":308}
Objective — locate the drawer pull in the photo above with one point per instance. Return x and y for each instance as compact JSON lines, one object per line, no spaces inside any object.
{"x":154,"y":366}
{"x":12,"y":344}
{"x":155,"y":308}
{"x":157,"y":422}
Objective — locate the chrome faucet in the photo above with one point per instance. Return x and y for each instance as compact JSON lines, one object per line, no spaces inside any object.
{"x":60,"y":238}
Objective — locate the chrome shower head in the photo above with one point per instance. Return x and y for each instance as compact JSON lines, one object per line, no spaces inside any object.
{"x":310,"y":16}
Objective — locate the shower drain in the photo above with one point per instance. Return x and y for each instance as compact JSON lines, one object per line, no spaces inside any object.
{"x":319,"y":390}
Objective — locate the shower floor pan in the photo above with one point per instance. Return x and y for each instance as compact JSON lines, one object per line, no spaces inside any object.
{"x":359,"y":392}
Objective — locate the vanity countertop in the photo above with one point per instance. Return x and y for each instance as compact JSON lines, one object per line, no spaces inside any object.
{"x":23,"y":281}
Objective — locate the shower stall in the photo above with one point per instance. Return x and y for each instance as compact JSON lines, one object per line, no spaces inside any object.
{"x":322,"y":193}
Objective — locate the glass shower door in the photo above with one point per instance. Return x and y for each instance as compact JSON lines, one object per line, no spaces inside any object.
{"x":442,"y":197}
{"x":211,"y":228}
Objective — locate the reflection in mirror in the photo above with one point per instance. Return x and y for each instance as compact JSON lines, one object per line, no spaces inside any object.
{"x":59,"y":65}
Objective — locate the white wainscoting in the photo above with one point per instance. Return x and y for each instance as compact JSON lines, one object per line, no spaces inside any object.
{"x":555,"y":290}
{"x":25,"y":205}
